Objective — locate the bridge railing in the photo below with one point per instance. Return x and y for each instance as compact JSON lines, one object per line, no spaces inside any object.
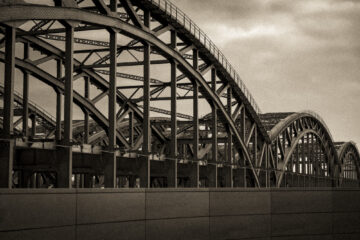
{"x":46,"y":113}
{"x":181,"y":18}
{"x":36,"y":106}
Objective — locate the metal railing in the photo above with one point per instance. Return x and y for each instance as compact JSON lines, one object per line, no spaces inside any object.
{"x":175,"y":13}
{"x":35,"y":106}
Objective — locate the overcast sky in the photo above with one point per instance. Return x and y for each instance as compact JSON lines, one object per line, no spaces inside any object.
{"x":292,"y":55}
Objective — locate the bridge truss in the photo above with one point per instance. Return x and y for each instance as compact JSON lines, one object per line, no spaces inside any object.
{"x":161,"y":105}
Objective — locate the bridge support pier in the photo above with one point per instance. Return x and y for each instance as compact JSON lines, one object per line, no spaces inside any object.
{"x":6,"y":162}
{"x":110,"y":169}
{"x":144,"y":172}
{"x":212,"y":174}
{"x":194,"y":175}
{"x":227,"y":175}
{"x":171,"y":173}
{"x":64,"y":166}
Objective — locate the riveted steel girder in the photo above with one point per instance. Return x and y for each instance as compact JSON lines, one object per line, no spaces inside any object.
{"x":17,"y":13}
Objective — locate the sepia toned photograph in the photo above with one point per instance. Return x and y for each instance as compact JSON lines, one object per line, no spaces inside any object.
{"x":179,"y":119}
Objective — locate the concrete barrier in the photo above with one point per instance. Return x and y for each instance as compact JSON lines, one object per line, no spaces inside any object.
{"x":180,"y":214}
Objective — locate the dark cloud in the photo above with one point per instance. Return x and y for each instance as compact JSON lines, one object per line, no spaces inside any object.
{"x":292,"y":55}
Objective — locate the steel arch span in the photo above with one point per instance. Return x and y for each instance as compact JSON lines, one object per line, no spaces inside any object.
{"x":303,"y":150}
{"x":159,"y":102}
{"x":349,"y":159}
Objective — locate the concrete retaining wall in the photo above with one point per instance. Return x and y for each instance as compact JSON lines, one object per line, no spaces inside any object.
{"x":179,"y":214}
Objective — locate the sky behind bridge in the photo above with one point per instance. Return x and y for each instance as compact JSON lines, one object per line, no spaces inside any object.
{"x":292,"y":55}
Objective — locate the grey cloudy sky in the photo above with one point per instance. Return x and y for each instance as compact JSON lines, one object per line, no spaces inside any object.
{"x":292,"y":55}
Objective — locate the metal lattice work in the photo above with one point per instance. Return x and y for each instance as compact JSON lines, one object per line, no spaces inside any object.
{"x":349,"y":158}
{"x":160,"y":105}
{"x":304,"y":152}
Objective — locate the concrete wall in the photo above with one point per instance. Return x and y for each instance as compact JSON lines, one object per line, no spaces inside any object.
{"x":180,"y":214}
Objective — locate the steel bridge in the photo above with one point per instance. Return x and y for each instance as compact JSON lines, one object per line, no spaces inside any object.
{"x":161,"y":106}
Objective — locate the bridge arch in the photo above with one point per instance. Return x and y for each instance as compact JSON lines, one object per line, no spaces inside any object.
{"x":230,"y":136}
{"x":205,"y":48}
{"x":304,"y":151}
{"x":349,"y":158}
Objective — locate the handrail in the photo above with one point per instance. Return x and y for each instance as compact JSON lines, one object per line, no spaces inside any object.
{"x":36,"y":106}
{"x":46,"y":113}
{"x":181,"y":18}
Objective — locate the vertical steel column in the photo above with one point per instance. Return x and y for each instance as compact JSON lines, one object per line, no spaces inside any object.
{"x":229,"y":182}
{"x":86,"y":113}
{"x":243,"y":136}
{"x":214,"y":129}
{"x":8,"y":126}
{"x":112,"y":91}
{"x":25,"y":113}
{"x":174,"y":151}
{"x":267,"y":159}
{"x":297,"y":166}
{"x":145,"y":182}
{"x":68,"y":104}
{"x":64,"y":153}
{"x":33,"y":125}
{"x":196,"y":117}
{"x":110,"y":156}
{"x":173,"y":100}
{"x":317,"y":166}
{"x":312,"y":157}
{"x":303,"y":158}
{"x":131,"y":129}
{"x":58,"y":102}
{"x":308,"y":153}
{"x":243,"y":125}
{"x":308,"y":158}
{"x":255,"y":148}
{"x":7,"y":144}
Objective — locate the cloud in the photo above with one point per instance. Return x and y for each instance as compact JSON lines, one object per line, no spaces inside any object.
{"x":292,"y":55}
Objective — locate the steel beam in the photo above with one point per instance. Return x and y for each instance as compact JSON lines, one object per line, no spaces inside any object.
{"x":131,"y":129}
{"x":196,"y":116}
{"x":230,"y":140}
{"x":25,"y":113}
{"x":110,"y":157}
{"x":68,"y":104}
{"x":173,"y":101}
{"x":112,"y":92}
{"x":64,"y":153}
{"x":8,"y":127}
{"x":7,"y":145}
{"x":174,"y":150}
{"x":214,"y":130}
{"x":33,"y":125}
{"x":145,"y":182}
{"x":86,"y":113}
{"x":58,"y":103}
